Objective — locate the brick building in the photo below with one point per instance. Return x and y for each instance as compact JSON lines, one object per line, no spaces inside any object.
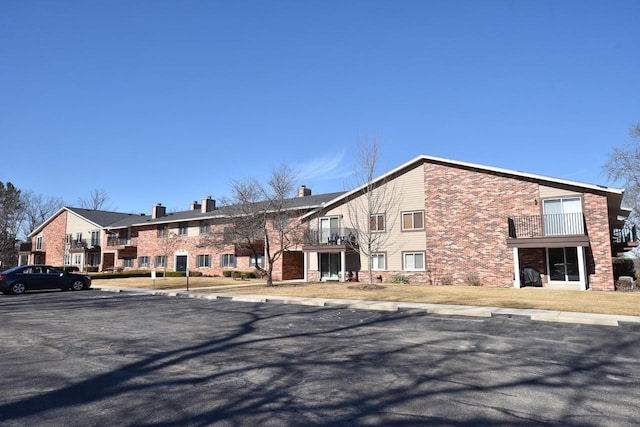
{"x":434,"y":221}
{"x":454,"y":222}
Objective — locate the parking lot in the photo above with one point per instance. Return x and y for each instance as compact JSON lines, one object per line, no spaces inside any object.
{"x":104,"y":358}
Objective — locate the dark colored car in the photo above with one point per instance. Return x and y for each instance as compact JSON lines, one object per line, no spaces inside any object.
{"x":24,"y":278}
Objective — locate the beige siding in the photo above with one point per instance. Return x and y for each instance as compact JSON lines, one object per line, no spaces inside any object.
{"x":552,"y":192}
{"x":408,"y":191}
{"x":77,"y":224}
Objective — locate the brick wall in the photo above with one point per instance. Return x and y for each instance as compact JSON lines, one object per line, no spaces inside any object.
{"x":466,"y":215}
{"x":54,"y":239}
{"x":599,"y":257}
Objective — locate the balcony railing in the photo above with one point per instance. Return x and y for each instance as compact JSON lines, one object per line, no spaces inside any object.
{"x":338,"y":236}
{"x":528,"y":226}
{"x":119,"y":241}
{"x":78,"y":244}
{"x":626,"y":234}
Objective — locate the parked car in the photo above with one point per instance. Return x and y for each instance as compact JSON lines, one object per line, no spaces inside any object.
{"x":24,"y":278}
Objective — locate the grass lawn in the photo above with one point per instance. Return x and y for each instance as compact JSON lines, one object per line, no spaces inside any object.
{"x":625,"y":303}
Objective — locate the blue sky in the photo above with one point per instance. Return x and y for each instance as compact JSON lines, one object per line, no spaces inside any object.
{"x":168,"y":101}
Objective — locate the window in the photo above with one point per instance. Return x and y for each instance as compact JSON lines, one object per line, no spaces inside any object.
{"x":143,"y":262}
{"x":563,"y":264}
{"x":77,"y":259}
{"x":413,"y":220}
{"x":413,"y":260}
{"x":205,"y":227}
{"x":78,"y":237}
{"x":183,"y":228}
{"x":94,"y":259}
{"x":67,"y":259}
{"x":227,"y":260}
{"x":39,"y":243}
{"x":95,"y":238}
{"x":563,"y":216}
{"x":378,"y":262}
{"x":160,"y":261}
{"x":376,"y":222}
{"x":281,"y":222}
{"x":252,"y":261}
{"x":162,"y":230}
{"x":329,"y":229}
{"x":203,"y":261}
{"x":69,"y":239}
{"x":127,"y":263}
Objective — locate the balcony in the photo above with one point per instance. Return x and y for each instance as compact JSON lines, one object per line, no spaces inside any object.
{"x":624,"y":239}
{"x":551,"y":230}
{"x":121,"y":242}
{"x":340,"y":237}
{"x":530,"y":226}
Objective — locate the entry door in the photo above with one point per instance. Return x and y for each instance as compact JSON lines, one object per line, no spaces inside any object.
{"x":329,"y":266}
{"x":562,"y":216}
{"x":181,"y":263}
{"x":328,"y":228}
{"x":563,"y":264}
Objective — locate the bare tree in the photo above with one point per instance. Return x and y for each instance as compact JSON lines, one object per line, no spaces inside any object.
{"x":260,"y":222}
{"x":168,"y":243}
{"x":372,"y":209}
{"x":623,"y":165}
{"x":97,"y":199}
{"x":36,"y":210}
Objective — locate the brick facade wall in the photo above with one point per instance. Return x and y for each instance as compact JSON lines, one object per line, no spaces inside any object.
{"x":53,"y":240}
{"x":466,"y":223}
{"x":599,"y":256}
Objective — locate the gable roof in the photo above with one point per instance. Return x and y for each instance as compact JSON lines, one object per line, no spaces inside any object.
{"x":295,"y":203}
{"x":614,"y":195}
{"x":98,"y":218}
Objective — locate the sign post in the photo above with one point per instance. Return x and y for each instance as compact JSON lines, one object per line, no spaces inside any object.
{"x":187,"y":274}
{"x":153,"y":278}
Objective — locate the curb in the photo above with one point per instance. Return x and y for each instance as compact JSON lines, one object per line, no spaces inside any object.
{"x":437,"y":309}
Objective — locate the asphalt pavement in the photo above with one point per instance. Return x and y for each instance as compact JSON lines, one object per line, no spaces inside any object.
{"x":150,"y":358}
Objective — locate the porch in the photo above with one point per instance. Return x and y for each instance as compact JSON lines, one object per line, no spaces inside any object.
{"x":331,"y":254}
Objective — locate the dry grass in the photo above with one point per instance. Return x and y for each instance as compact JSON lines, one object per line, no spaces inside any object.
{"x":624,"y":303}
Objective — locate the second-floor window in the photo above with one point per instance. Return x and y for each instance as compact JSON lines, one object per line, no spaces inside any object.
{"x":376,"y":222}
{"x":95,"y":238}
{"x":39,"y":243}
{"x":205,"y":227}
{"x":183,"y":229}
{"x":563,"y":216}
{"x":413,"y":220}
{"x":162,"y":230}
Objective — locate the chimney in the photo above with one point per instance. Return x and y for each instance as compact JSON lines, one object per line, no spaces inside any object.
{"x":208,"y":205}
{"x":304,"y":191}
{"x":158,"y":211}
{"x":195,"y":206}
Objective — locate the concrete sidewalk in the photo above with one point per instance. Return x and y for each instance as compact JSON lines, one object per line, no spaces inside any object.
{"x":441,"y":309}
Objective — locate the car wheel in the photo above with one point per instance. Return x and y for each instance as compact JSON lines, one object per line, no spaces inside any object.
{"x":18,"y":288}
{"x":77,"y":285}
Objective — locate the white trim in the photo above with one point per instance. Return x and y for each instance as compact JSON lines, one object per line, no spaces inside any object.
{"x":516,"y":268}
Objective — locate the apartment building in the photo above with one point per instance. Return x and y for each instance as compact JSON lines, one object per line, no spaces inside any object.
{"x":439,"y":221}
